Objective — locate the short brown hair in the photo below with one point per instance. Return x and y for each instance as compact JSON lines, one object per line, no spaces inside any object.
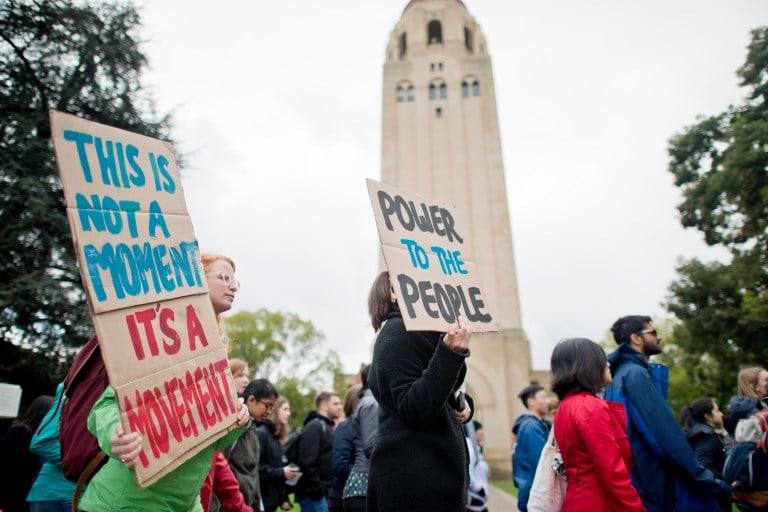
{"x":324,"y":396}
{"x":380,"y":300}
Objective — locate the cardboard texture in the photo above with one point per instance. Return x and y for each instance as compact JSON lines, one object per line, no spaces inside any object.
{"x":427,"y":252}
{"x":146,"y":289}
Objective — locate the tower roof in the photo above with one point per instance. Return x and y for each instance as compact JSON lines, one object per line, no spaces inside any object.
{"x":411,"y":2}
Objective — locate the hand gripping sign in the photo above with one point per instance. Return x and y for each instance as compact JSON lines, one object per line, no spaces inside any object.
{"x":428,"y":255}
{"x":146,"y":290}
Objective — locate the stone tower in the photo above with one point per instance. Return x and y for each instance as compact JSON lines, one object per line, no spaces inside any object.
{"x":440,"y":138}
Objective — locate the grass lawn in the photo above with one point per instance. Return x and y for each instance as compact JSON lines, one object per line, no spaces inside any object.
{"x":507,"y":486}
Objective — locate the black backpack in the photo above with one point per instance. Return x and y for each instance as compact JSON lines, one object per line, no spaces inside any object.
{"x":291,"y":447}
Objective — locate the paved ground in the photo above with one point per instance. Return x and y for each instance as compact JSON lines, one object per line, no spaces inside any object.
{"x":500,"y":501}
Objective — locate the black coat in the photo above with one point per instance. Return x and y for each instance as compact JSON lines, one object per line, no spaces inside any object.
{"x":271,"y":476}
{"x":419,"y":460}
{"x":708,"y":447}
{"x":314,"y":461}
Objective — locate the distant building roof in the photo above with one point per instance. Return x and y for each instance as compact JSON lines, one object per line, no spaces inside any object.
{"x":411,"y":2}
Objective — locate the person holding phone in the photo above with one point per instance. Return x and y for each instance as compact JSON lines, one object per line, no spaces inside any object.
{"x":419,"y":457}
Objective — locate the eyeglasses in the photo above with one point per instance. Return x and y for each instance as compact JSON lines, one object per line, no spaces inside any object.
{"x":228,"y":278}
{"x":270,"y":406}
{"x":652,"y":332}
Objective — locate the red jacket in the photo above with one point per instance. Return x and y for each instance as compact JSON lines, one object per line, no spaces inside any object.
{"x":590,"y":434}
{"x":222,"y":481}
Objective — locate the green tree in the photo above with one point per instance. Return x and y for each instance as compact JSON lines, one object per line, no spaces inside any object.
{"x":287,"y":350}
{"x":80,"y":58}
{"x":721,"y":166}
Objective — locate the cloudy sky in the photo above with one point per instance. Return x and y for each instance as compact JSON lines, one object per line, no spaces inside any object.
{"x":277,"y":107}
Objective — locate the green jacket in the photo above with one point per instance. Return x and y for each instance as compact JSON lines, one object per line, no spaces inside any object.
{"x":114,"y":486}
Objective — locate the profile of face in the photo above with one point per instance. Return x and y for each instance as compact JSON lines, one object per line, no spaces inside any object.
{"x":334,"y":409}
{"x":539,"y":402}
{"x":222,"y":285}
{"x":259,"y":408}
{"x":284,"y":413}
{"x":651,"y":340}
{"x":715,"y":418}
{"x":241,"y":380}
{"x":480,"y":436}
{"x":761,"y":387}
{"x":607,"y":377}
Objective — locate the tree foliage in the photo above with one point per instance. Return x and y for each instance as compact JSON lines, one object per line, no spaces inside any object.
{"x":287,"y":350}
{"x":75,"y":57}
{"x":721,"y":166}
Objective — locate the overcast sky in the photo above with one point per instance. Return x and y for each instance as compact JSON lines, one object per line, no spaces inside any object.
{"x":278,"y":111}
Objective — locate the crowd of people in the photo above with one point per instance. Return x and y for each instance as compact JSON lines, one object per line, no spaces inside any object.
{"x":622,"y":447}
{"x":404,"y":437}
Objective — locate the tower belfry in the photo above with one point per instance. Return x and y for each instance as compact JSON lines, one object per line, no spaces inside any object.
{"x":440,"y":138}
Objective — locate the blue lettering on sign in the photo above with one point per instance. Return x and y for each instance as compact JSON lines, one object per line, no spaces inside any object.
{"x":81,"y":139}
{"x":128,"y":268}
{"x":450,"y":261}
{"x":104,"y":214}
{"x":118,"y":162}
{"x":156,"y":220}
{"x":163,"y":178}
{"x":419,"y":257}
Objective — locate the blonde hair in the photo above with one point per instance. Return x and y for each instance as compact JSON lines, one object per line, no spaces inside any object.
{"x":209,"y":259}
{"x":237,"y":366}
{"x":748,"y":381}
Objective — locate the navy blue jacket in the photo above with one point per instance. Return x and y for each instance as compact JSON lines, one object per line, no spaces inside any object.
{"x":531,"y":435}
{"x":665,"y":467}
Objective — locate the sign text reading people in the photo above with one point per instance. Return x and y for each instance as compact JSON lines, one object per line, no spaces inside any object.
{"x":140,"y":263}
{"x":427,"y":254}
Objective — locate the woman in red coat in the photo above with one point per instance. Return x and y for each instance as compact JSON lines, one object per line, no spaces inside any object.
{"x":590,"y":432}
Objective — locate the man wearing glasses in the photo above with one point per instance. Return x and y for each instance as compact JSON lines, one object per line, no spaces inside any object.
{"x":666,"y":473}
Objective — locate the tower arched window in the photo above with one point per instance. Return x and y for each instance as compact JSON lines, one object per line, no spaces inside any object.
{"x":464,"y":89}
{"x":432,"y":92}
{"x":443,"y":91}
{"x":434,"y":32}
{"x":475,"y":88}
{"x":399,"y":94}
{"x":410,"y":93}
{"x":403,"y":45}
{"x":468,"y":38}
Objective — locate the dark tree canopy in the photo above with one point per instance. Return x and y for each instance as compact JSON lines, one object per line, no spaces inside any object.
{"x":78,"y":57}
{"x":721,"y":165}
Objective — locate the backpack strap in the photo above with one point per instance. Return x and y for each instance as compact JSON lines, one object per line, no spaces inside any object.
{"x":85,"y":477}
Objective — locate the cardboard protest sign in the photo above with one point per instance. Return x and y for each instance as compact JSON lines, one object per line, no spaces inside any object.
{"x":10,"y":398}
{"x":146,"y":288}
{"x":427,"y":252}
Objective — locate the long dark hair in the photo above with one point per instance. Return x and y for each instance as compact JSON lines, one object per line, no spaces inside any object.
{"x":696,"y":412}
{"x":578,"y":364}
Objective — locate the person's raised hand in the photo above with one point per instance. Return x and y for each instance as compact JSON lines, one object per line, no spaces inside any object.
{"x":243,"y":415}
{"x":458,"y":335}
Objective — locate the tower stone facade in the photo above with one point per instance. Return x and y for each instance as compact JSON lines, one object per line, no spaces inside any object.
{"x":440,"y":138}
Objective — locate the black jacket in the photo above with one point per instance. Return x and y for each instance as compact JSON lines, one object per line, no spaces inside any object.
{"x":315,"y":457}
{"x":419,"y":460}
{"x":708,"y":447}
{"x":271,"y":476}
